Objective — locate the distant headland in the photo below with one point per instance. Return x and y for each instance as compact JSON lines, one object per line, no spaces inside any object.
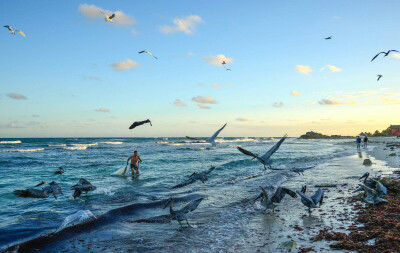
{"x":393,"y":130}
{"x":315,"y":135}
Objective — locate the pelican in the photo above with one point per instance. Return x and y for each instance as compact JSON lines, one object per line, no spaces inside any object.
{"x":211,"y":139}
{"x":138,"y":123}
{"x":147,"y":52}
{"x":54,"y":188}
{"x":264,"y":159}
{"x":385,"y":54}
{"x":328,"y":38}
{"x":14,"y":31}
{"x":82,"y":186}
{"x":311,"y":202}
{"x":371,"y":196}
{"x":202,"y":176}
{"x":301,"y":170}
{"x":59,"y":171}
{"x":180,"y":215}
{"x":279,"y":194}
{"x":41,"y":183}
{"x":379,"y":77}
{"x":373,"y":184}
{"x":108,"y":18}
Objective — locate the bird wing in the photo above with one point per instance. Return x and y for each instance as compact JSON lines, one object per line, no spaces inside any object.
{"x":378,"y":55}
{"x":244,"y":151}
{"x":19,"y":31}
{"x":280,"y":194}
{"x":9,"y":27}
{"x":270,"y":152}
{"x":318,"y":197}
{"x":191,"y":206}
{"x":212,"y":139}
{"x":41,"y":183}
{"x":393,"y":51}
{"x":141,"y":52}
{"x":138,"y":123}
{"x":112,"y":16}
{"x":104,"y":14}
{"x":209,"y":170}
{"x":307,"y":199}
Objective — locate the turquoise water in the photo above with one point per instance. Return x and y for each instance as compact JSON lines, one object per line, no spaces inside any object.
{"x":166,"y":162}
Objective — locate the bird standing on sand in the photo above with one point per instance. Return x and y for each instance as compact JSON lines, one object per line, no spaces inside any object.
{"x":138,"y":123}
{"x":279,"y":194}
{"x":108,"y":18}
{"x":147,"y":52}
{"x":264,"y":159}
{"x":328,"y":38}
{"x":385,"y":54}
{"x":379,"y":77}
{"x":14,"y":31}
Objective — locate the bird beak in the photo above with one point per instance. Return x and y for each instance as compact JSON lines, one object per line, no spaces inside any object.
{"x":167,"y":204}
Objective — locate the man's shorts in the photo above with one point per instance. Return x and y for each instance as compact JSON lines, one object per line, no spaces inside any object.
{"x":134,"y":166}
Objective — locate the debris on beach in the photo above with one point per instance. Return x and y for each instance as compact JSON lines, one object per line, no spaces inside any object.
{"x":290,"y":245}
{"x":367,"y":162}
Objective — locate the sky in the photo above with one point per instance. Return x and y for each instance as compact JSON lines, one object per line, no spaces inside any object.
{"x":76,"y":75}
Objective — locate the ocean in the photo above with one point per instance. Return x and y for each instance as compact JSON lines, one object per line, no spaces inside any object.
{"x":166,"y":162}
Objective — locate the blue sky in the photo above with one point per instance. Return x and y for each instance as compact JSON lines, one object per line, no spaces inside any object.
{"x":54,"y":81}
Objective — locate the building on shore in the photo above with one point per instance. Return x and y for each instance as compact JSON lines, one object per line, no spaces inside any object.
{"x":395,"y":130}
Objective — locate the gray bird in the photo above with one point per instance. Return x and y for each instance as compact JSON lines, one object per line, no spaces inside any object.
{"x":53,"y":188}
{"x":264,"y":159}
{"x":371,"y":196}
{"x":180,"y":215}
{"x":380,"y":188}
{"x":211,"y":139}
{"x":314,"y":201}
{"x":82,"y":186}
{"x":301,"y":170}
{"x":14,"y":31}
{"x":202,"y":176}
{"x":379,"y":77}
{"x":385,"y":54}
{"x":147,"y":52}
{"x":279,"y":194}
{"x":59,"y":171}
{"x":329,"y":38}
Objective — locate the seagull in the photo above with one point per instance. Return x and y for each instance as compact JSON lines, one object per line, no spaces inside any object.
{"x":379,"y":77}
{"x":138,"y":123}
{"x":147,"y":52}
{"x":108,"y":18}
{"x":14,"y":31}
{"x":211,"y":139}
{"x":59,"y":171}
{"x":301,"y":170}
{"x":264,"y":159}
{"x":82,"y":186}
{"x":311,"y":202}
{"x":180,"y":215}
{"x":279,"y":194}
{"x":329,"y":38}
{"x":385,"y":54}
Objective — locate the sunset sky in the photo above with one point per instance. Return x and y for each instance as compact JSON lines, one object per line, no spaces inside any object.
{"x":76,"y":75}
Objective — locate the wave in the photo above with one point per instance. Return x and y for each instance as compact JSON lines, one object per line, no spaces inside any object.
{"x":112,"y":142}
{"x":57,"y":145}
{"x":22,"y":150}
{"x":76,"y":148}
{"x":237,"y":140}
{"x":85,"y":145}
{"x":10,"y":142}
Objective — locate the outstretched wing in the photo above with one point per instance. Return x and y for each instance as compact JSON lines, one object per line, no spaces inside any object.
{"x":141,"y":52}
{"x":270,"y":152}
{"x":246,"y":152}
{"x":8,"y":27}
{"x":191,"y":138}
{"x":217,"y":133}
{"x":191,"y":206}
{"x":280,"y":194}
{"x":19,"y":31}
{"x":393,"y":51}
{"x":139,"y":123}
{"x":209,"y":170}
{"x":318,"y":197}
{"x":307,"y":199}
{"x":377,"y":55}
{"x":112,"y":16}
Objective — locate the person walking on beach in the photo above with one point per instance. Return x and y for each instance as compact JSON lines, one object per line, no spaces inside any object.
{"x":365,"y":141}
{"x":134,"y":163}
{"x":358,"y":140}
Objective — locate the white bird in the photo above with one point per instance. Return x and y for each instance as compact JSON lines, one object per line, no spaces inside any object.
{"x":211,"y":139}
{"x":147,"y":52}
{"x":14,"y":31}
{"x":108,"y":18}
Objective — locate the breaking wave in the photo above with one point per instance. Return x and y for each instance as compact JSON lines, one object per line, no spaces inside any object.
{"x":22,"y":150}
{"x":57,"y":145}
{"x":112,"y":142}
{"x":76,"y":148}
{"x":10,"y":142}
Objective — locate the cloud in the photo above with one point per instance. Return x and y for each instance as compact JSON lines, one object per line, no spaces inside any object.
{"x":303,"y":69}
{"x":17,"y":96}
{"x":204,"y":100}
{"x":216,"y":85}
{"x":127,"y":64}
{"x":243,"y":119}
{"x":36,"y":116}
{"x":102,"y":110}
{"x":278,"y":104}
{"x":295,"y":93}
{"x":95,"y":78}
{"x":11,"y":125}
{"x":396,"y":55}
{"x":202,"y":106}
{"x":179,"y":103}
{"x":193,"y":122}
{"x":134,"y":31}
{"x":185,"y":24}
{"x":191,"y":54}
{"x":390,"y":101}
{"x":94,"y":12}
{"x":329,"y":102}
{"x":217,"y":59}
{"x":331,"y":68}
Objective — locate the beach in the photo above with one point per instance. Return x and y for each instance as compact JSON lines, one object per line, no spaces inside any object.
{"x":227,"y":220}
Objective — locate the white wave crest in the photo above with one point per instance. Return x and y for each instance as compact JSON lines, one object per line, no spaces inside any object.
{"x":237,"y":140}
{"x":10,"y":142}
{"x":85,"y":145}
{"x":22,"y":150}
{"x":57,"y":145}
{"x":76,"y":148}
{"x":112,"y":142}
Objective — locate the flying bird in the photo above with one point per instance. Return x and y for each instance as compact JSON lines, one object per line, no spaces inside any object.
{"x":108,"y":18}
{"x":379,"y":77}
{"x":211,"y":139}
{"x":385,"y":54}
{"x":202,"y":176}
{"x":82,"y":186}
{"x":228,"y":69}
{"x":301,"y":170}
{"x":264,"y":159}
{"x":139,"y":123}
{"x":14,"y":31}
{"x":328,"y":38}
{"x":147,"y":52}
{"x":279,"y":194}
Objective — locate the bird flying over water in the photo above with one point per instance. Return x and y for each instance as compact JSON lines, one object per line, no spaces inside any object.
{"x":211,"y":139}
{"x":301,"y":170}
{"x":82,"y":186}
{"x":108,"y":18}
{"x":328,"y":38}
{"x":385,"y":54}
{"x":147,"y":52}
{"x":202,"y":176}
{"x":264,"y":159}
{"x":379,"y":77}
{"x":14,"y":31}
{"x":228,"y":70}
{"x":138,"y":123}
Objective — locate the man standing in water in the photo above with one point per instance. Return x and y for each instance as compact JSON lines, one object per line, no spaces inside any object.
{"x":358,"y":140}
{"x":134,"y":163}
{"x":365,"y":141}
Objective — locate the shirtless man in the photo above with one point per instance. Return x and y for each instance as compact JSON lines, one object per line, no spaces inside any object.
{"x":134,"y":159}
